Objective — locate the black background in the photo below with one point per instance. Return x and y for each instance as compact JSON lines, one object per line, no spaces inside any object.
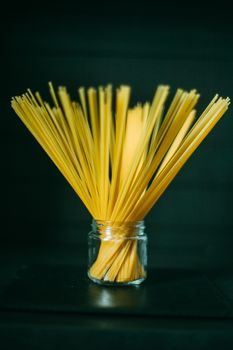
{"x":183,"y":44}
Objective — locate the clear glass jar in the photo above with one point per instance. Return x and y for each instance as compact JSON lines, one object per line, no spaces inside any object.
{"x":117,"y":253}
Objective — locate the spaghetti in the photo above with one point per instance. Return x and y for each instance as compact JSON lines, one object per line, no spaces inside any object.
{"x":118,"y":164}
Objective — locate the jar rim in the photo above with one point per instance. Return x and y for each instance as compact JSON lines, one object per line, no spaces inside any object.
{"x":110,"y":228}
{"x":118,"y":222}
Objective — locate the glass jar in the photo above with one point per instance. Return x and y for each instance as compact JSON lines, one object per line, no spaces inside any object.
{"x":117,"y":253}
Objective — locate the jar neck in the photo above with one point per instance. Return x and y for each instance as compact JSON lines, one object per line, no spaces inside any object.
{"x":118,"y":229}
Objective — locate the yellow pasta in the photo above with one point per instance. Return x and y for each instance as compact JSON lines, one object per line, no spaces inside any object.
{"x":119,"y":162}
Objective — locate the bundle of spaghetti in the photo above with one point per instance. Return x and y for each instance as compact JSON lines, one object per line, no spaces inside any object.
{"x":118,"y":162}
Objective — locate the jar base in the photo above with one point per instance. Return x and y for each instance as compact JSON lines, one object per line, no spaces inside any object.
{"x":113,"y":283}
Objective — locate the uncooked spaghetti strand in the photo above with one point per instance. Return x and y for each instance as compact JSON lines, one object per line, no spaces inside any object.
{"x":162,"y":92}
{"x":112,"y":139}
{"x":184,"y":105}
{"x":44,"y":129}
{"x":84,"y":150}
{"x":81,"y":145}
{"x":39,"y":120}
{"x":17,"y":106}
{"x":131,"y":268}
{"x":171,"y":111}
{"x":178,"y":140}
{"x":163,"y":180}
{"x":102,"y":153}
{"x":147,"y":171}
{"x":72,"y":120}
{"x":166,"y":168}
{"x":163,"y":126}
{"x":145,"y":113}
{"x":70,"y":148}
{"x":107,"y":142}
{"x":107,"y":254}
{"x":82,"y":95}
{"x":45,"y":142}
{"x":156,"y":130}
{"x":49,"y":122}
{"x":61,"y":134}
{"x":66,"y":112}
{"x":122,"y":100}
{"x":86,"y":145}
{"x":134,"y":129}
{"x":95,"y":132}
{"x":115,"y":267}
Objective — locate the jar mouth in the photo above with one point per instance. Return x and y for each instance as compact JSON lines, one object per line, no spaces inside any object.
{"x":138,"y":223}
{"x":117,"y":222}
{"x":120,"y":229}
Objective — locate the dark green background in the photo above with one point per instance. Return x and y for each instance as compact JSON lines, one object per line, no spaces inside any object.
{"x":183,"y":45}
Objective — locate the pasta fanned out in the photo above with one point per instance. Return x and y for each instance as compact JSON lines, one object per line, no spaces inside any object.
{"x":119,"y":163}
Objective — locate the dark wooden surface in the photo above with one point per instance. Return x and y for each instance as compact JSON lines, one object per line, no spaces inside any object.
{"x":46,"y":302}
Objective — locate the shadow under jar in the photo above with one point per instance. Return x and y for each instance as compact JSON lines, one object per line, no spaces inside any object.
{"x":117,"y":253}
